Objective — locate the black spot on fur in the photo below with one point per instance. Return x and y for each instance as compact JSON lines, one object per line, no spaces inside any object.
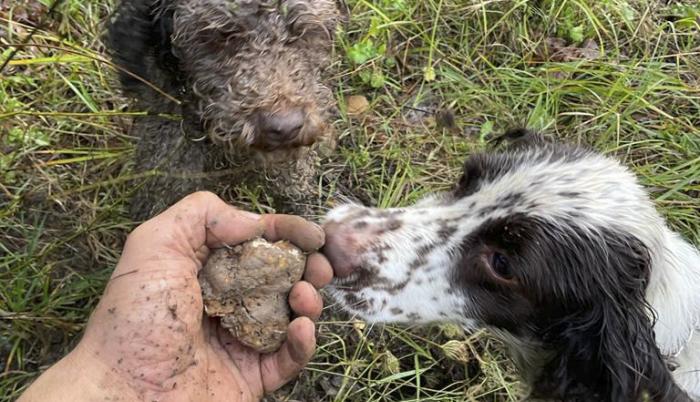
{"x":359,"y":225}
{"x":380,"y":251}
{"x":511,"y":200}
{"x":351,"y":299}
{"x":413,"y":316}
{"x":426,"y":249}
{"x":387,"y":213}
{"x":393,"y":224}
{"x":445,"y":233}
{"x":489,"y":209}
{"x":569,"y":194}
{"x":417,"y":263}
{"x":365,"y":276}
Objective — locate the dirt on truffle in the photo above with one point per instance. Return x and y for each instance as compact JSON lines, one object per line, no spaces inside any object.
{"x":248,"y":285}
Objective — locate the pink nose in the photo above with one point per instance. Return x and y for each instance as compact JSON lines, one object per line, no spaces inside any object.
{"x":340,"y":249}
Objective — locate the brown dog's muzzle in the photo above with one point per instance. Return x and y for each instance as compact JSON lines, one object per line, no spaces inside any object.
{"x":283,"y":129}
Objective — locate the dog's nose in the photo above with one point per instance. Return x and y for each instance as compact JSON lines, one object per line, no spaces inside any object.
{"x":339,"y":249}
{"x":284,"y":125}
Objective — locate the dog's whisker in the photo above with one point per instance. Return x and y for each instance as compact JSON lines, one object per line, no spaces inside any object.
{"x":370,"y":328}
{"x":359,"y":303}
{"x":331,"y":305}
{"x":348,"y":288}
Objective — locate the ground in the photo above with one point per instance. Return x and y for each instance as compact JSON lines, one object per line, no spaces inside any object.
{"x":441,"y":76}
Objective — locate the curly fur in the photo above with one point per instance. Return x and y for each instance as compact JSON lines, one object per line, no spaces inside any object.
{"x":225,"y":66}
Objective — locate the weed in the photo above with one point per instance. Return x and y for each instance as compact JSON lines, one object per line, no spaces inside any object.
{"x":65,"y":152}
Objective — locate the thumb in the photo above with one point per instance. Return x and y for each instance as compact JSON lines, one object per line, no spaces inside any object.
{"x":279,"y":367}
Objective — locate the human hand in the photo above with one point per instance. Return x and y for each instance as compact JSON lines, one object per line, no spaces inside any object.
{"x":148,"y":338}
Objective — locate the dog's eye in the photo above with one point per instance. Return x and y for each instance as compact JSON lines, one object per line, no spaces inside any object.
{"x":501,"y":266}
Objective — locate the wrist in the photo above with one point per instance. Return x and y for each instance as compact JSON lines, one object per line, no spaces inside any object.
{"x":78,"y":377}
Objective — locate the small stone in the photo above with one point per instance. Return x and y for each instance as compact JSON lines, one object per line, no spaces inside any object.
{"x":356,"y":104}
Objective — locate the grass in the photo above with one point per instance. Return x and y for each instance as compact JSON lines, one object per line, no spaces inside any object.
{"x":65,"y":174}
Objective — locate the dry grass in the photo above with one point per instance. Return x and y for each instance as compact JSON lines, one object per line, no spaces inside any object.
{"x":65,"y":157}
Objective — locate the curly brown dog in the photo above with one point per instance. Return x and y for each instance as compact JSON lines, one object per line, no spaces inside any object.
{"x":236,"y":95}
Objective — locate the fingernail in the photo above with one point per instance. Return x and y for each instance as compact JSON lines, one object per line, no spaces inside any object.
{"x":321,"y":234}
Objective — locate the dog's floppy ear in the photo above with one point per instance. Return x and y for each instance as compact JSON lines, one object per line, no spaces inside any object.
{"x":140,"y":30}
{"x":602,"y":336}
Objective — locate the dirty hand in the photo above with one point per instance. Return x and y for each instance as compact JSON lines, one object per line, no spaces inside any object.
{"x":148,"y":338}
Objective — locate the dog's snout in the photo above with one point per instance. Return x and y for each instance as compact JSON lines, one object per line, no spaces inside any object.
{"x":339,"y":249}
{"x":283,"y":124}
{"x":287,"y":128}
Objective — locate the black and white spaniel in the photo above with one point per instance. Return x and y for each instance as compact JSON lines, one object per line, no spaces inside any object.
{"x":559,"y":251}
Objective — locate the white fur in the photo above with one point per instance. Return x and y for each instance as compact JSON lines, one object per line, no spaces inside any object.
{"x":608,"y":196}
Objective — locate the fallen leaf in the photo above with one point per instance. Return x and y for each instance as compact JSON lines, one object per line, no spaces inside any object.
{"x":445,"y":118}
{"x":356,"y":104}
{"x":557,"y":50}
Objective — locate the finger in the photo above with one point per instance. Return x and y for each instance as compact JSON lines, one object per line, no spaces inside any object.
{"x":199,"y":219}
{"x":318,"y":270}
{"x":202,"y":254}
{"x":305,"y":300}
{"x":302,"y":233}
{"x":205,"y":214}
{"x":279,"y":367}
